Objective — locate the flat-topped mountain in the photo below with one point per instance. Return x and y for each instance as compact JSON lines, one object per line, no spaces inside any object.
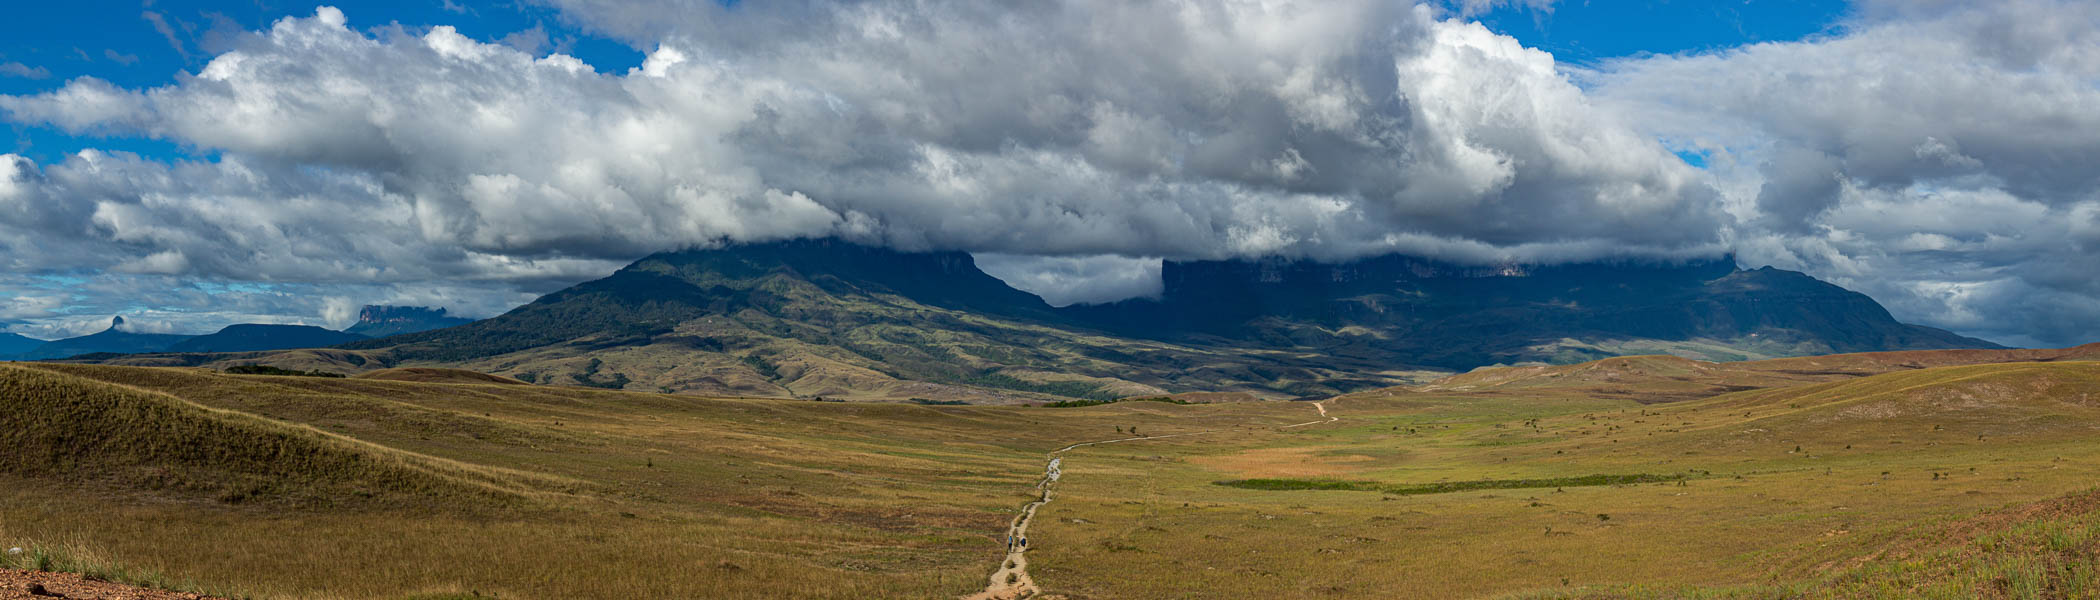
{"x":831,"y":318}
{"x":13,"y":343}
{"x":1459,"y":317}
{"x":381,"y":321}
{"x":827,"y":318}
{"x":252,"y":337}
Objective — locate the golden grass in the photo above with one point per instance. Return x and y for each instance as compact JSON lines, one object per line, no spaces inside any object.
{"x":676,"y":496}
{"x":1883,"y":485}
{"x":74,"y":429}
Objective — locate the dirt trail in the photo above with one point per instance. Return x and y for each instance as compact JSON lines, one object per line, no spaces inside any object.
{"x":1011,"y":580}
{"x":40,"y":585}
{"x":1322,"y":407}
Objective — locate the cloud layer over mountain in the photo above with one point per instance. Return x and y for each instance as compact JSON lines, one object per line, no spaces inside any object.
{"x":1940,"y":158}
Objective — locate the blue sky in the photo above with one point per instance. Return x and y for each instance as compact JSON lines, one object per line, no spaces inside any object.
{"x":1902,"y":149}
{"x":143,"y":45}
{"x":1584,"y":32}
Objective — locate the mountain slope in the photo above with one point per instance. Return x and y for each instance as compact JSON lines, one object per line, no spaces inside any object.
{"x":12,"y":344}
{"x":826,"y":318}
{"x":253,"y":337}
{"x":830,"y":318}
{"x":109,"y":340}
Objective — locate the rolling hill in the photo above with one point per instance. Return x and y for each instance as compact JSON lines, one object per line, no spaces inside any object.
{"x":78,"y":429}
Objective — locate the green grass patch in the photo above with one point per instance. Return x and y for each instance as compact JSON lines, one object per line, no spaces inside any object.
{"x":762,"y":366}
{"x":63,"y":559}
{"x":1445,"y":487}
{"x":589,"y":377}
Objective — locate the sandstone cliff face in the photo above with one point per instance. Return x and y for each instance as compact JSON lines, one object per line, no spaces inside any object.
{"x":382,"y":321}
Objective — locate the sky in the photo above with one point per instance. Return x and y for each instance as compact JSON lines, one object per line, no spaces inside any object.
{"x":190,"y":165}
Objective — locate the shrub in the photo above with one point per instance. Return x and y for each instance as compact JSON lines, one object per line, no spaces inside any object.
{"x":269,"y":370}
{"x":1445,"y":486}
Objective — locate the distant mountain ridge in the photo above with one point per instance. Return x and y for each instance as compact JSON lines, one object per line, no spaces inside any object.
{"x":247,"y":337}
{"x":12,"y":344}
{"x":376,"y":320}
{"x":111,"y":340}
{"x":1460,"y":317}
{"x":252,"y":337}
{"x":828,"y":317}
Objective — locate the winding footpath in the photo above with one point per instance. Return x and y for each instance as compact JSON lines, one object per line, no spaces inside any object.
{"x":1011,"y":581}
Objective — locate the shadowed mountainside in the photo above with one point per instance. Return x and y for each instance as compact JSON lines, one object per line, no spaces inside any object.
{"x":1455,"y":317}
{"x":831,"y":319}
{"x":249,"y":338}
{"x":12,"y":344}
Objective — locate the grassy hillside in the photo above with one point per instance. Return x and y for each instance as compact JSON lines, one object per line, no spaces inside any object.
{"x":637,"y":495}
{"x":71,"y":428}
{"x":1948,"y":481}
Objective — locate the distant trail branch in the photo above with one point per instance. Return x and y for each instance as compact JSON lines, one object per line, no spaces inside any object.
{"x":1011,"y":581}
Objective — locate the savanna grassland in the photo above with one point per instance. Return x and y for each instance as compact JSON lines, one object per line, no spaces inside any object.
{"x":1890,"y":475}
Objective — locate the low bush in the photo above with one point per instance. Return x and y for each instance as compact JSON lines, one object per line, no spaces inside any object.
{"x":269,"y":370}
{"x":1445,"y":487}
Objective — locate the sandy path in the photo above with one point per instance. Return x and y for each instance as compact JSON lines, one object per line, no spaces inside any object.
{"x":1011,"y":580}
{"x":40,"y":585}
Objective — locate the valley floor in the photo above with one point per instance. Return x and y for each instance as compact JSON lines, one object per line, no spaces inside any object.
{"x":1956,"y":481}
